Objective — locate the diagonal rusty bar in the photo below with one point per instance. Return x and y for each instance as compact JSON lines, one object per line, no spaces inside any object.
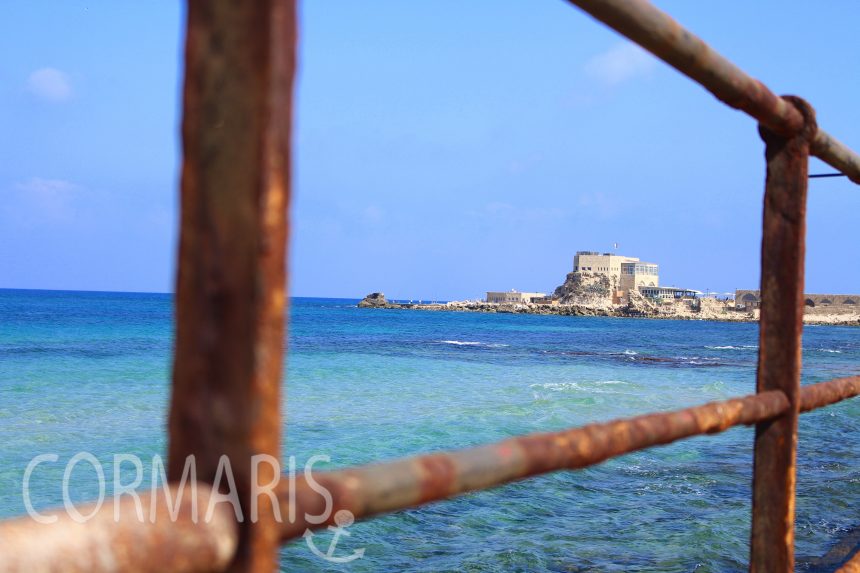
{"x":816,"y":396}
{"x":661,"y":35}
{"x":401,"y":484}
{"x":392,"y":486}
{"x":230,"y":297}
{"x":240,"y":60}
{"x":168,"y":544}
{"x":836,"y":154}
{"x":780,"y":328}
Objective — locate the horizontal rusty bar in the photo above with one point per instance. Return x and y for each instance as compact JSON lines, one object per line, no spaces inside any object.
{"x":396,"y":485}
{"x":826,"y":393}
{"x":129,"y":544}
{"x":661,"y":35}
{"x":102,"y":544}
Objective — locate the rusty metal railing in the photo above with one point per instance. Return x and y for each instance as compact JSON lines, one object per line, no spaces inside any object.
{"x":239,"y":68}
{"x":387,"y":487}
{"x":661,"y":35}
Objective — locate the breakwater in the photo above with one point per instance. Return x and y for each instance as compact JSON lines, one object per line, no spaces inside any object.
{"x":698,"y":309}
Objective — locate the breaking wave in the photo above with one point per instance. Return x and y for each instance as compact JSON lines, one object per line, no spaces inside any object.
{"x":586,"y":387}
{"x":472,"y":343}
{"x":634,"y":358}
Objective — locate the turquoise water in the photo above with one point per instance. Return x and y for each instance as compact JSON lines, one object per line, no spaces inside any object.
{"x":90,"y":372}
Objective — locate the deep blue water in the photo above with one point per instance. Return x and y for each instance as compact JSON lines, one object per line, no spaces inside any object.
{"x":90,"y":372}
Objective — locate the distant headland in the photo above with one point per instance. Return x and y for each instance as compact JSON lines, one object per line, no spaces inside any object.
{"x":607,"y":284}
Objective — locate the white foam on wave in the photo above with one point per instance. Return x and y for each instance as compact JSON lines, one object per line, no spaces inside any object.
{"x":562,"y":386}
{"x":753,"y":346}
{"x":696,"y":359}
{"x":630,"y":352}
{"x":472,"y":343}
{"x":557,"y":386}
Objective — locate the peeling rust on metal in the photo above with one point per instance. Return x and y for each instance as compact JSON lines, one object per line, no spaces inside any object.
{"x":231,"y":301}
{"x":392,"y":486}
{"x":823,"y":394}
{"x":132,"y":544}
{"x":230,"y":295}
{"x":377,"y":488}
{"x":438,"y":477}
{"x":780,"y":327}
{"x":836,"y":154}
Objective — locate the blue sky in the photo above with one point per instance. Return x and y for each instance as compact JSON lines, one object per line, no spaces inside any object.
{"x":442,"y":148}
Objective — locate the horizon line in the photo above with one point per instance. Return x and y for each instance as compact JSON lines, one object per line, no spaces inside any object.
{"x":92,"y":291}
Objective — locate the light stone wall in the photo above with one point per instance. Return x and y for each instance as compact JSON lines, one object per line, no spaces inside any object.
{"x":607,"y":264}
{"x":815,"y":303}
{"x":631,"y":282}
{"x":513,"y":296}
{"x":610,"y":265}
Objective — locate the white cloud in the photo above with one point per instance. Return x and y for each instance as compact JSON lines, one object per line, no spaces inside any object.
{"x":620,"y":63}
{"x":50,"y":84}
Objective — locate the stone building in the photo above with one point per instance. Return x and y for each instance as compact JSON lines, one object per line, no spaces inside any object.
{"x":513,"y":296}
{"x":750,"y":299}
{"x":625,"y":273}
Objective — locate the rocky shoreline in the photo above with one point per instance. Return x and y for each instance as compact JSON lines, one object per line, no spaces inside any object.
{"x":704,"y":309}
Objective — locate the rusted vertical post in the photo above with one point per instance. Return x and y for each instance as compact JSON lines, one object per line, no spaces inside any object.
{"x":781,"y":326}
{"x":230,"y":295}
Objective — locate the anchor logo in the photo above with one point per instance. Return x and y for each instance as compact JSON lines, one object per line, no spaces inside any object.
{"x":342,"y":520}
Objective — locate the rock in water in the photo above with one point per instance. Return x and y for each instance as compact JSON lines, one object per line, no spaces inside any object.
{"x":373,"y":300}
{"x":587,"y":289}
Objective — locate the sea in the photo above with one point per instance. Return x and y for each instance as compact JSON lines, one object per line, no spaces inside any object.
{"x":90,"y":372}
